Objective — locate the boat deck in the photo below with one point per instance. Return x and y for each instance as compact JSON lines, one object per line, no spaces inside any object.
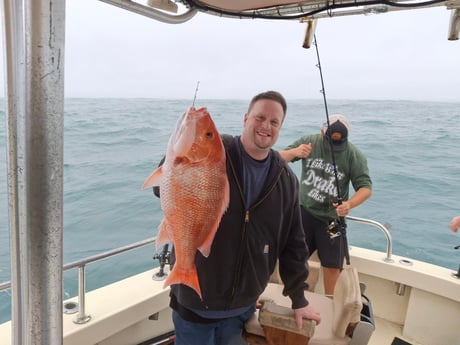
{"x":386,"y":331}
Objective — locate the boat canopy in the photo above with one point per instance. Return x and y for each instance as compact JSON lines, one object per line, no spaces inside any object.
{"x":304,"y":11}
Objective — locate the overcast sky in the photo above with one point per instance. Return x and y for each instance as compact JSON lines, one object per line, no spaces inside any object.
{"x":114,"y":53}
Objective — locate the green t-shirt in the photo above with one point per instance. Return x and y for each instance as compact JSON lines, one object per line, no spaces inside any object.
{"x":318,"y":189}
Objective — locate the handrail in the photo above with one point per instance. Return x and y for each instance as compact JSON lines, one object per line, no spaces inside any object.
{"x":382,"y":228}
{"x":80,"y":264}
{"x":150,"y":12}
{"x":82,"y":317}
{"x":5,"y":286}
{"x":109,"y":253}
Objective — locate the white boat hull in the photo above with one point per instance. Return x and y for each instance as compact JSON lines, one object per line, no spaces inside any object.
{"x":412,"y":300}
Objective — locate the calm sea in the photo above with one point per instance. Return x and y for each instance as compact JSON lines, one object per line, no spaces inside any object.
{"x":112,"y":145}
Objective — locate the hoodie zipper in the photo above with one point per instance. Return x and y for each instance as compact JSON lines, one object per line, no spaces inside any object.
{"x":245,"y":226}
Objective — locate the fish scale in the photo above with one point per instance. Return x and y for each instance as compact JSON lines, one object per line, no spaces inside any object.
{"x":194,"y":193}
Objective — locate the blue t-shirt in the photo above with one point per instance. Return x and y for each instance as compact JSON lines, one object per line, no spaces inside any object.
{"x":254,"y":174}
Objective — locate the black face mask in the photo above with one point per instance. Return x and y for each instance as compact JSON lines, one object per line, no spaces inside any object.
{"x":339,"y":142}
{"x":335,"y":143}
{"x":343,"y":137}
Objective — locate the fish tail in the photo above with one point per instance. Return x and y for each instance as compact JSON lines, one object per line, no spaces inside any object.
{"x":187,"y":277}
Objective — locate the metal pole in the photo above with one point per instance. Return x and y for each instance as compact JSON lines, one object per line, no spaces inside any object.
{"x":34,"y":43}
{"x":383,"y":229}
{"x":81,"y":317}
{"x":14,"y":58}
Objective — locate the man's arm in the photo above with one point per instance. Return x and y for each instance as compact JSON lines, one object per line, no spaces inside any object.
{"x":360,"y":196}
{"x":301,"y":151}
{"x":357,"y":199}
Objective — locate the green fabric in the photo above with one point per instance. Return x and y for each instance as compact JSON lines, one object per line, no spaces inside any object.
{"x":318,"y":189}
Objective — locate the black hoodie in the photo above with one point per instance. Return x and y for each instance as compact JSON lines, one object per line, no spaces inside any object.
{"x":248,"y":242}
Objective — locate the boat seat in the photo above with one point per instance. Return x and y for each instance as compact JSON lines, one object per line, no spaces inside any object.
{"x":314,"y":267}
{"x":274,"y":324}
{"x":342,"y":322}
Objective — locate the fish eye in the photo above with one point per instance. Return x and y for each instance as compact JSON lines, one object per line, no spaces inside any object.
{"x":209,"y":135}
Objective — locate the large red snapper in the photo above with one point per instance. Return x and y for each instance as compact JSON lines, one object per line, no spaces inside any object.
{"x":194,"y":193}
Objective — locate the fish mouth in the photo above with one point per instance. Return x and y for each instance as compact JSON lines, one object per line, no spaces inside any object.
{"x":185,"y":133}
{"x":183,"y":138}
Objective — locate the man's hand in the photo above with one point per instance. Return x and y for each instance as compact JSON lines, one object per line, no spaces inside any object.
{"x":306,"y":312}
{"x":303,"y":150}
{"x":455,"y":224}
{"x":343,"y":209}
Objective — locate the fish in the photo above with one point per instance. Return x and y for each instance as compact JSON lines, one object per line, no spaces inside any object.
{"x":194,"y":193}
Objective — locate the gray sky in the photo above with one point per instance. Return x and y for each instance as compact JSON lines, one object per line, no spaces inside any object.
{"x":114,"y":53}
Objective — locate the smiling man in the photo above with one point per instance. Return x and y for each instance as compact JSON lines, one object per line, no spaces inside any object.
{"x":261,"y":226}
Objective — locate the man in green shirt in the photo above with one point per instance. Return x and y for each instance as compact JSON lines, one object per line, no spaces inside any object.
{"x":319,"y":192}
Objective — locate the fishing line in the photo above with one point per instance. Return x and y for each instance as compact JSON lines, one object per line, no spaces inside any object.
{"x":340,"y":228}
{"x":196,"y":91}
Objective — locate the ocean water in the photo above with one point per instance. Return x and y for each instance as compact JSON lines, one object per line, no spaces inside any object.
{"x":112,"y":145}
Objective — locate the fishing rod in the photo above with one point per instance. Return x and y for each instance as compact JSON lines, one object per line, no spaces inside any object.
{"x":335,"y":228}
{"x":196,"y":91}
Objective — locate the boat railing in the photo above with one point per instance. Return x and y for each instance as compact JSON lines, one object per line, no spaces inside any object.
{"x":5,"y":286}
{"x":382,"y":228}
{"x":81,"y":265}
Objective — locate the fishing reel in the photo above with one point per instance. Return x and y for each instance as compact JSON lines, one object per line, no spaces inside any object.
{"x":164,"y":257}
{"x":457,"y":275}
{"x":336,"y":228}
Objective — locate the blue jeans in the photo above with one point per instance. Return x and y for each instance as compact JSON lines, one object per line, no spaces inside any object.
{"x":223,"y":332}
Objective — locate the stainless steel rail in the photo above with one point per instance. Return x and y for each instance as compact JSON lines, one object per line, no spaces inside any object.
{"x":109,"y":253}
{"x":151,"y":12}
{"x":5,"y":286}
{"x":381,"y":228}
{"x":80,"y":264}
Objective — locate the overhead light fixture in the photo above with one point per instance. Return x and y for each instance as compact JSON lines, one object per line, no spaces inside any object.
{"x":165,"y":5}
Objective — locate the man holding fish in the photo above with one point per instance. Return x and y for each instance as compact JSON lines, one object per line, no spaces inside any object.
{"x":231,"y":209}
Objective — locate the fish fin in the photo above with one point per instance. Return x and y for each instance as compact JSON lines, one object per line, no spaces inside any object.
{"x":186,"y":277}
{"x":163,"y":236}
{"x":205,"y":248}
{"x":153,"y":179}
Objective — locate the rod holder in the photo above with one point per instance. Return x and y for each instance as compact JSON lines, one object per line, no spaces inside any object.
{"x":81,"y":318}
{"x":400,"y":289}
